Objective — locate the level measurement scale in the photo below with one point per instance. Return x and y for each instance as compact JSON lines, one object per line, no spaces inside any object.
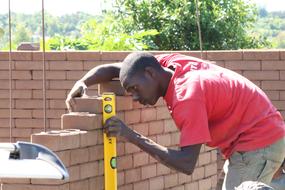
{"x":110,"y":155}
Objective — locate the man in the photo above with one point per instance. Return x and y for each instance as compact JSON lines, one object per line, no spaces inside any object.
{"x":208,"y":103}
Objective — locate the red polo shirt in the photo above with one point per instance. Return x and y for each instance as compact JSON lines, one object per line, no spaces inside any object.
{"x":219,"y":107}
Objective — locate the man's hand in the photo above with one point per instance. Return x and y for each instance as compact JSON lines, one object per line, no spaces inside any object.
{"x":114,"y":127}
{"x":78,"y":90}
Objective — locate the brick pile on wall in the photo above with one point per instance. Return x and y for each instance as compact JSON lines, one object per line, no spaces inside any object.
{"x":264,"y":68}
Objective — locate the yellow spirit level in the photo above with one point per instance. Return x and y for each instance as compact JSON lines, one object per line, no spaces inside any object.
{"x":110,"y":156}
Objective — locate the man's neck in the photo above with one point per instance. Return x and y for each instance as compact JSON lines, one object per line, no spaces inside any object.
{"x":165,"y":79}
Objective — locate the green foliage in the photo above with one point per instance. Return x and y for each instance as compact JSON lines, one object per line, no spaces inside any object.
{"x":273,"y":27}
{"x":225,"y":24}
{"x":106,"y":35}
{"x":1,"y":33}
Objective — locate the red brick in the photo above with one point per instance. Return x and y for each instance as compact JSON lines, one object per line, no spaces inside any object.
{"x":125,"y":162}
{"x":78,"y":156}
{"x":131,"y":148}
{"x":88,"y":65}
{"x":21,"y":55}
{"x":164,"y":140}
{"x":50,"y":75}
{"x":183,"y":178}
{"x":49,"y":113}
{"x":96,"y":152}
{"x":56,"y":104}
{"x":83,"y":55}
{"x":15,"y":181}
{"x":16,"y":75}
{"x":74,"y":75}
{"x":21,"y":132}
{"x":4,"y":55}
{"x":273,"y":65}
{"x":204,"y":158}
{"x":51,"y":56}
{"x":124,"y":103}
{"x":112,"y":86}
{"x":273,"y":85}
{"x":64,"y":157}
{"x":4,"y":132}
{"x":169,"y":126}
{"x":81,"y":120}
{"x":162,"y":169}
{"x":50,"y":94}
{"x":141,"y":128}
{"x":16,"y":94}
{"x":47,"y":182}
{"x":214,"y":181}
{"x":120,"y":148}
{"x":6,"y":123}
{"x":132,"y":116}
{"x":148,"y":171}
{"x":66,"y":65}
{"x":90,"y":104}
{"x":126,"y":187}
{"x":29,"y":123}
{"x":210,"y":169}
{"x":74,"y":173}
{"x":114,"y":56}
{"x":170,"y":180}
{"x":29,"y":65}
{"x":90,"y":169}
{"x":205,"y":184}
{"x":55,"y":123}
{"x":273,"y":94}
{"x":196,"y":54}
{"x":198,"y":173}
{"x":89,"y":138}
{"x":96,"y":183}
{"x":282,"y":95}
{"x":29,"y":84}
{"x":175,"y":138}
{"x":156,"y":127}
{"x":243,"y":65}
{"x":121,"y":178}
{"x":60,"y":84}
{"x":282,"y":54}
{"x":142,"y":185}
{"x":79,"y":185}
{"x":140,"y":159}
{"x":261,"y":75}
{"x":101,"y":167}
{"x":148,"y":114}
{"x":69,"y":139}
{"x":224,"y":55}
{"x":261,"y":55}
{"x":214,"y":156}
{"x":48,"y":139}
{"x":156,"y":183}
{"x":282,"y":75}
{"x":162,"y":113}
{"x":5,"y":84}
{"x":193,"y":185}
{"x":133,"y":175}
{"x":280,"y":105}
{"x":16,"y":113}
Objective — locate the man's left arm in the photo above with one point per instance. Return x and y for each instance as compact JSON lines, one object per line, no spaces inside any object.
{"x":183,"y":160}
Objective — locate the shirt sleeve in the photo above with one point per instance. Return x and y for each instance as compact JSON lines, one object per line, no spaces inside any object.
{"x":191,"y":118}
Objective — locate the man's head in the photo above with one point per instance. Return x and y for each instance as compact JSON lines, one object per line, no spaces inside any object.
{"x":141,"y":75}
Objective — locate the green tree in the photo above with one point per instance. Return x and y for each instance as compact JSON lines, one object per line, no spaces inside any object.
{"x":105,"y":35}
{"x":22,"y":34}
{"x":225,"y":24}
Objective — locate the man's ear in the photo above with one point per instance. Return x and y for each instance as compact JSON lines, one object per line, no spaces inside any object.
{"x":150,"y":72}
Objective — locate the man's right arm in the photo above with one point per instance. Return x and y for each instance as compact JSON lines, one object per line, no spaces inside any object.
{"x":99,"y":74}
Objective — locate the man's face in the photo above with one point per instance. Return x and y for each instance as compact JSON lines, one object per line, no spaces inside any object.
{"x":142,"y":87}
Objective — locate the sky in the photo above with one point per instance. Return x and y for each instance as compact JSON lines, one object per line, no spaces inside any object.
{"x":60,"y":7}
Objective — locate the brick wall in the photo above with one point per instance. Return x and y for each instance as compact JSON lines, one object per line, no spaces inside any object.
{"x":136,"y":170}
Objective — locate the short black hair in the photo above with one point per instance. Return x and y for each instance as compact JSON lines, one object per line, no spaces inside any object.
{"x":137,"y":62}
